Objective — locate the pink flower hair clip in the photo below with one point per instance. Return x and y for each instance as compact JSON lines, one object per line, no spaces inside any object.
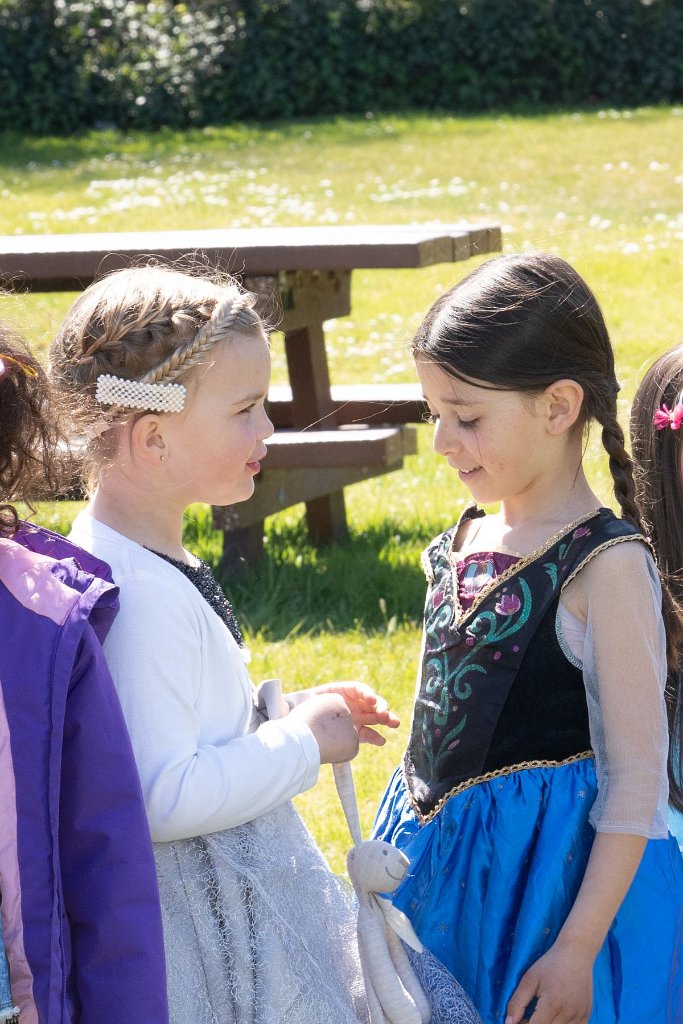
{"x":666,"y":417}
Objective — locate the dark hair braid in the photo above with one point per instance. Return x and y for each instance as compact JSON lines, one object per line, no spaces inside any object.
{"x":620,"y":465}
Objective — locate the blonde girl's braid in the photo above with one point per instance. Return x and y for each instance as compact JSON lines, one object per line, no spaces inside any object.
{"x":121,"y":323}
{"x":229,"y":313}
{"x":150,"y":324}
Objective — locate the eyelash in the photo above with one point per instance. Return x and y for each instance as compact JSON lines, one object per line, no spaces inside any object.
{"x":431,"y":417}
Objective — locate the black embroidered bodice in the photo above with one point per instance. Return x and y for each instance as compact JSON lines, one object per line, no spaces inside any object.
{"x":496,"y":689}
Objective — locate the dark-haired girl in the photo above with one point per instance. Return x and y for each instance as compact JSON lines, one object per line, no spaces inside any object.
{"x":656,"y":418}
{"x":80,"y":926}
{"x":532,"y":798}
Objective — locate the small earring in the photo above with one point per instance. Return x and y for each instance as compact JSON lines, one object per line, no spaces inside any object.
{"x":162,"y":458}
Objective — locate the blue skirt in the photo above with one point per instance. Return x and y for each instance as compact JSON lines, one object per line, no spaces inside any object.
{"x":494,"y":875}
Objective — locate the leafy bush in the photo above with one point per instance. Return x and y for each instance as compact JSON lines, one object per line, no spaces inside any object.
{"x":66,"y":65}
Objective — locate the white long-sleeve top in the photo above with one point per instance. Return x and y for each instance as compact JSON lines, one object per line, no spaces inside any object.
{"x":187,"y":700}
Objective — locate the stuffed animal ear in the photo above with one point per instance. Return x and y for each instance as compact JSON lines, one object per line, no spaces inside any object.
{"x":408,"y":977}
{"x":397,"y":1003}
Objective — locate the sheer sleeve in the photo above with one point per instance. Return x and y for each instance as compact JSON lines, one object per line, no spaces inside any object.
{"x":624,"y":669}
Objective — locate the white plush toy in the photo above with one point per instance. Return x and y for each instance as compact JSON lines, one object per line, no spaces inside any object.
{"x":393,"y":991}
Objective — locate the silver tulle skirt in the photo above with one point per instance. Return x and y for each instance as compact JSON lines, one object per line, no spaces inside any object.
{"x":257,"y":928}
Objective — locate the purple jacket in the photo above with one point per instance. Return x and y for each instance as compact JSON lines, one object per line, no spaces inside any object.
{"x":80,"y":904}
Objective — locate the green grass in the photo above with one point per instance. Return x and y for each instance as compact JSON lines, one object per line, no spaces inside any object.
{"x":603,"y":189}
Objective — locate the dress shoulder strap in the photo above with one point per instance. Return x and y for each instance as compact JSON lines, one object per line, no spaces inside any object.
{"x":439,"y":550}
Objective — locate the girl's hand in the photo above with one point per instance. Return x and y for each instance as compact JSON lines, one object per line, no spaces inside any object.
{"x":367,"y":708}
{"x":331,"y":723}
{"x":561,"y":983}
{"x":562,"y":980}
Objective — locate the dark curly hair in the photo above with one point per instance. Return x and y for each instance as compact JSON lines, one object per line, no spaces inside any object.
{"x":31,"y":460}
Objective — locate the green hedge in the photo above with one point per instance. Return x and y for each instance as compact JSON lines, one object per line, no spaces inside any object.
{"x":66,"y":65}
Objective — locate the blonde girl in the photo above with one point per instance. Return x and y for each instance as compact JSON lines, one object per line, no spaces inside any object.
{"x":168,"y":375}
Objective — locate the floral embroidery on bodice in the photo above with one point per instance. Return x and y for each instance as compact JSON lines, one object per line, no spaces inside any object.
{"x":494,"y":681}
{"x":477,"y":569}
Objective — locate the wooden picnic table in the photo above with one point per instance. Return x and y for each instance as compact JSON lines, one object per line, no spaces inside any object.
{"x":327,"y":437}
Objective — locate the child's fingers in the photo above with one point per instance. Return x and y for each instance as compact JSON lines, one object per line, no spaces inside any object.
{"x":522,"y":996}
{"x":356,"y":691}
{"x":547,"y":1014}
{"x":386,"y":718}
{"x":376,"y":717}
{"x":555,"y":1005}
{"x":365,"y":705}
{"x":368,"y":735}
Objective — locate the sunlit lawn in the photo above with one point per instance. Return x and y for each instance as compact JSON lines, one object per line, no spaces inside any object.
{"x":604,"y":189}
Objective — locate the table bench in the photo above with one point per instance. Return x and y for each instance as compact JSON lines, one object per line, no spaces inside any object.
{"x":327,"y":437}
{"x":310,"y":466}
{"x":357,"y":403}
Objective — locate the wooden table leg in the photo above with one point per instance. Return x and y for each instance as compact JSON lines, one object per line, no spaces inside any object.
{"x":326,"y":519}
{"x":312,"y":406}
{"x":308,"y":298}
{"x":242,"y":547}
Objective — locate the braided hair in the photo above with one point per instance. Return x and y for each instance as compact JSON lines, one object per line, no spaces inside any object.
{"x":150,"y":324}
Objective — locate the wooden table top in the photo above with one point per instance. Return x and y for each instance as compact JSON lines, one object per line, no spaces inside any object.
{"x":67,"y":261}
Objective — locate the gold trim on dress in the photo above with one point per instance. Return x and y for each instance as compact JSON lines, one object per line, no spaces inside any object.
{"x":499,"y":773}
{"x":427,"y":567}
{"x":511,"y":570}
{"x":607,"y":544}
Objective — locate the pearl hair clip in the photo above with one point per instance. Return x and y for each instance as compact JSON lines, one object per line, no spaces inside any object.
{"x":134,"y":394}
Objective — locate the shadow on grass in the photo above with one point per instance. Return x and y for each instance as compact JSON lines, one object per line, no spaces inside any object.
{"x":374,"y":581}
{"x":19,"y":150}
